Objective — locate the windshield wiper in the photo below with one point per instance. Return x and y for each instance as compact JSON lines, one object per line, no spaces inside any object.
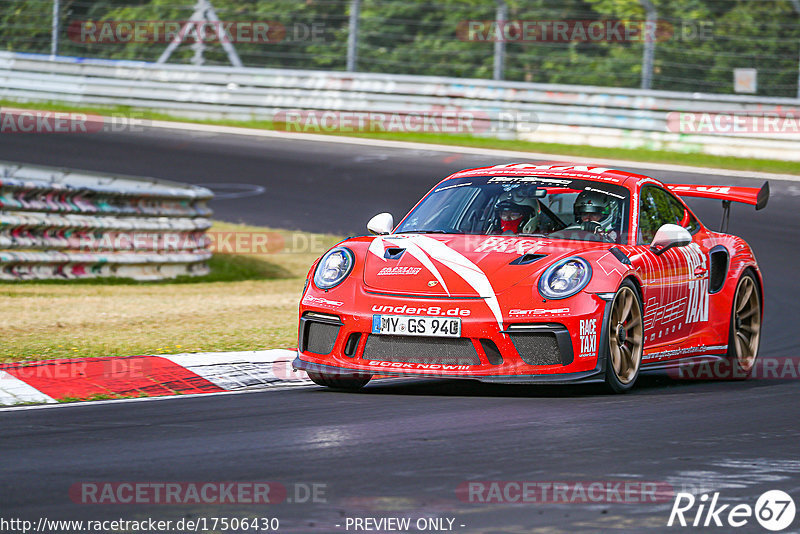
{"x":533,"y":235}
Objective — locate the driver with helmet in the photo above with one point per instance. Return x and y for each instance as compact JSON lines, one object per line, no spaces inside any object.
{"x":516,"y":213}
{"x":595,"y":212}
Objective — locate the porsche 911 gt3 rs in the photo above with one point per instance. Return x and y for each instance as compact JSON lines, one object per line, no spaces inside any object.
{"x":526,"y":273}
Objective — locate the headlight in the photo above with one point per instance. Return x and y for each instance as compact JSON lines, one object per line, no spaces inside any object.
{"x":565,"y":278}
{"x":334,"y":267}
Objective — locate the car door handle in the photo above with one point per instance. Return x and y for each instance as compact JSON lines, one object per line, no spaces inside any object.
{"x":700,"y":271}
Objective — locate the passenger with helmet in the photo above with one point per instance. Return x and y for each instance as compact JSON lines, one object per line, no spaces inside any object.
{"x":596,"y":212}
{"x":516,"y":213}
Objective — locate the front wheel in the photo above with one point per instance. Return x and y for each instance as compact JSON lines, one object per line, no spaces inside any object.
{"x":744,"y":335}
{"x":346,"y":382}
{"x":625,"y":339}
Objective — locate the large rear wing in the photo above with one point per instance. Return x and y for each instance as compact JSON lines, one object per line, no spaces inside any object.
{"x":754,"y":196}
{"x":747,"y":195}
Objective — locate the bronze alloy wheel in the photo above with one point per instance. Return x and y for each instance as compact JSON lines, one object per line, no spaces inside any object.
{"x":625,"y":335}
{"x":746,"y":323}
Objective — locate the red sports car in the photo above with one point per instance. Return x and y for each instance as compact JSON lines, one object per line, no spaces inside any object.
{"x":527,"y":273}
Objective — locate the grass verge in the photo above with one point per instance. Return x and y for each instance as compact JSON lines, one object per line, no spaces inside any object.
{"x":247,"y":302}
{"x":585,"y":151}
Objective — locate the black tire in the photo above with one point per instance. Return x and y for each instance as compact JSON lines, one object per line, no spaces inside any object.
{"x":345,"y":382}
{"x":744,"y":331}
{"x":624,"y":339}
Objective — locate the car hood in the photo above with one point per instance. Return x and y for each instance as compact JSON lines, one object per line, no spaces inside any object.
{"x":461,"y":265}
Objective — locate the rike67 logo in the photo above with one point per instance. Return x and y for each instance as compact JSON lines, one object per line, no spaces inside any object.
{"x":774,"y":510}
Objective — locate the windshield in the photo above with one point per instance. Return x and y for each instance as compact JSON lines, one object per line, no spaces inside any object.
{"x":553,"y":207}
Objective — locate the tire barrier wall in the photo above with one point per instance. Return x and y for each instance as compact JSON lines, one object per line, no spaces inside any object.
{"x":60,"y":224}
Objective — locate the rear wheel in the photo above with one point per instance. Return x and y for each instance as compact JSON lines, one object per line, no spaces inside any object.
{"x":347,"y":382}
{"x":625,"y":339}
{"x":744,"y":336}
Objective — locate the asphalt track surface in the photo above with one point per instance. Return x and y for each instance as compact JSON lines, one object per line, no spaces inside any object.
{"x":401,"y":448}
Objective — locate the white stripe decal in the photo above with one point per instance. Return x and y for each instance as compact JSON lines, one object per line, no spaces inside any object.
{"x":457,"y":262}
{"x":415,"y":250}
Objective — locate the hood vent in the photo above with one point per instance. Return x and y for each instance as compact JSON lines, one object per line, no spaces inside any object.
{"x":526,"y":259}
{"x":393,"y":253}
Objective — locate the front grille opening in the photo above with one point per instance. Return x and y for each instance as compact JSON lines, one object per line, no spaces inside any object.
{"x":537,"y":348}
{"x":492,"y":352}
{"x":320,"y":337}
{"x":417,"y":349}
{"x":352,"y":344}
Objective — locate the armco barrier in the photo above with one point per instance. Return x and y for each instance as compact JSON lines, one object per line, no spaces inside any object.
{"x":57,"y":224}
{"x":599,"y":116}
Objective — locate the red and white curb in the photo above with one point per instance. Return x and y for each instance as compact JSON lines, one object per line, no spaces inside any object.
{"x":51,"y":381}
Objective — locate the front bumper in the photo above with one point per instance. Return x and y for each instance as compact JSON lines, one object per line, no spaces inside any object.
{"x":553,"y":345}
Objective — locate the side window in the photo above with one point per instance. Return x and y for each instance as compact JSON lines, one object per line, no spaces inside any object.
{"x":682,"y":216}
{"x":659,"y":207}
{"x":656,"y":208}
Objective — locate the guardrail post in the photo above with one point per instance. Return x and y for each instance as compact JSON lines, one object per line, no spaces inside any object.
{"x":352,"y":36}
{"x":651,"y":21}
{"x":500,"y":44}
{"x":54,"y":34}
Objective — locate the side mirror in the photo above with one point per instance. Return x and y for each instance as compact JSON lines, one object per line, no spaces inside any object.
{"x":381,"y":224}
{"x":668,"y":236}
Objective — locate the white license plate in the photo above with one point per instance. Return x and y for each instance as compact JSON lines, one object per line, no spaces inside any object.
{"x":406,"y":325}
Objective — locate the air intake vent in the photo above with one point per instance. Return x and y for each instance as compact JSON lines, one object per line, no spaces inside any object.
{"x":352,"y":344}
{"x":319,"y":337}
{"x":492,"y":352}
{"x":393,"y":253}
{"x":719,"y":269}
{"x":430,"y":350}
{"x":526,"y":259}
{"x":537,"y":348}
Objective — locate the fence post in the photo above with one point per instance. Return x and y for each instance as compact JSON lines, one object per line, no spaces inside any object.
{"x":796,"y":4}
{"x":499,"y":44}
{"x":352,"y":37}
{"x":649,"y":44}
{"x":54,"y":34}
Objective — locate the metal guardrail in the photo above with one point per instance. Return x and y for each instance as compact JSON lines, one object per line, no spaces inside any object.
{"x":511,"y":109}
{"x":57,"y":224}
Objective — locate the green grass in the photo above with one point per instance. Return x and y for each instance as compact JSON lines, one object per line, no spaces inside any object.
{"x":101,"y":396}
{"x":583,"y":151}
{"x":248,"y":302}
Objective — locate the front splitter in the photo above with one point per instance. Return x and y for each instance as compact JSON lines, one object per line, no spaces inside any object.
{"x":593,"y":376}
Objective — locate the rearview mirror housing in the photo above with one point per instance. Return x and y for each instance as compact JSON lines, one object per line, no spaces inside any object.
{"x":668,"y":236}
{"x":381,"y":224}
